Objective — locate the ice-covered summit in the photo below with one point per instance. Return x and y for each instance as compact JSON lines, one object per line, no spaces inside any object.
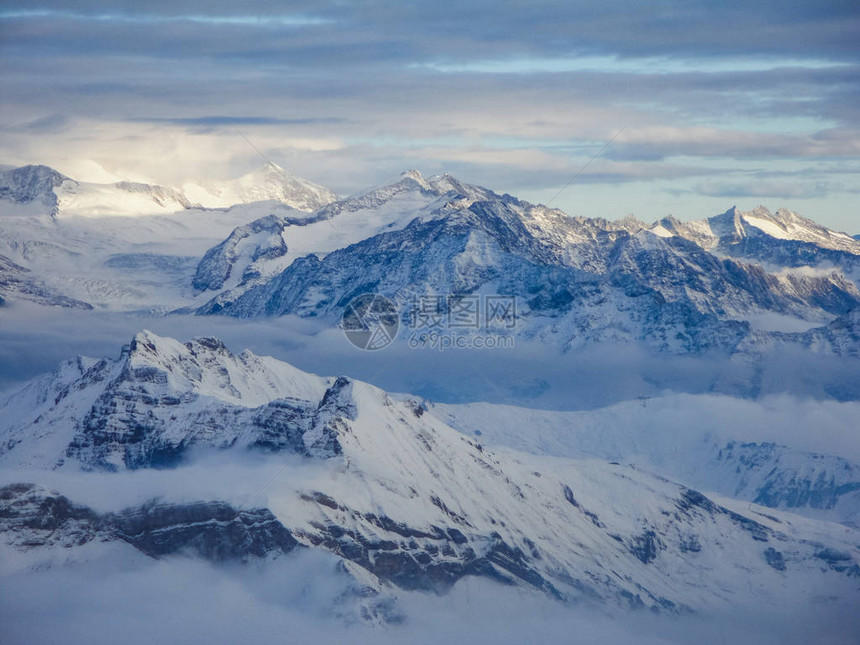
{"x":270,"y":182}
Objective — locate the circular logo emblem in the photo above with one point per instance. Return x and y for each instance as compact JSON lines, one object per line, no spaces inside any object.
{"x":370,"y":321}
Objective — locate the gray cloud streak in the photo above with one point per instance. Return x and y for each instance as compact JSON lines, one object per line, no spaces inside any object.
{"x":739,"y":84}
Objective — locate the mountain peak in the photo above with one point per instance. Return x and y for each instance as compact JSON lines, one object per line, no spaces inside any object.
{"x":268,"y":182}
{"x":37,"y":172}
{"x":29,"y":183}
{"x":151,"y":348}
{"x":267,"y":171}
{"x":148,"y":349}
{"x":629,"y":223}
{"x":416,"y":175}
{"x":406,"y":185}
{"x":734,"y":226}
{"x":204,"y":366}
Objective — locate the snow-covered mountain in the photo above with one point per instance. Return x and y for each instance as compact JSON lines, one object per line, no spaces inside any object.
{"x":268,"y":246}
{"x":251,"y":253}
{"x":269,"y":183}
{"x":782,"y":241}
{"x":175,"y":453}
{"x":735,"y":227}
{"x":154,"y":403}
{"x":738,"y":282}
{"x":39,"y":187}
{"x":401,"y":498}
{"x":32,"y":184}
{"x":42,"y":186}
{"x":123,"y":245}
{"x":577,"y":281}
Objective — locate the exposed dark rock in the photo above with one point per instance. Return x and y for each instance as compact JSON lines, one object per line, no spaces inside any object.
{"x":836,"y":560}
{"x":774,"y":558}
{"x":568,"y":495}
{"x":30,"y":183}
{"x":692,"y":499}
{"x":212,"y":530}
{"x":647,"y":546}
{"x":408,"y":564}
{"x":32,"y":516}
{"x":690,"y":544}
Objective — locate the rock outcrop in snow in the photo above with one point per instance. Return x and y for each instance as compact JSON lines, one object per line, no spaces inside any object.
{"x":32,"y":183}
{"x":32,"y":517}
{"x":18,"y":283}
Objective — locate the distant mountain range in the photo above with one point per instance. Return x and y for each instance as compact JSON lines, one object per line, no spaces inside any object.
{"x":63,"y":195}
{"x":733,"y":283}
{"x":126,"y":245}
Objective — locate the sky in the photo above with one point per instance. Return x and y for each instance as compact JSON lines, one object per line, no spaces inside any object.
{"x":703,"y":105}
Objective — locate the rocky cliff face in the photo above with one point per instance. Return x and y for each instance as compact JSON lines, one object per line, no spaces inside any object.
{"x":31,"y":517}
{"x":32,"y":183}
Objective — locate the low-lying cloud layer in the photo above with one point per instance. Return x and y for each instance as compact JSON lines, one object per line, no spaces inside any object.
{"x":117,"y":596}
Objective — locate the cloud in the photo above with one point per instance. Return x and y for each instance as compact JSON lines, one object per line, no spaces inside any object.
{"x":665,"y":140}
{"x":237,"y":120}
{"x":113,"y":596}
{"x":515,"y":97}
{"x":146,"y":18}
{"x":491,"y":29}
{"x":764,"y":189}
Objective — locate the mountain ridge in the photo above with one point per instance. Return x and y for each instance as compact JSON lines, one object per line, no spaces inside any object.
{"x":665,"y":289}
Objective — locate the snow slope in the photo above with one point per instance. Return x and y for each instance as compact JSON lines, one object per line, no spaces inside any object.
{"x":755,"y":451}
